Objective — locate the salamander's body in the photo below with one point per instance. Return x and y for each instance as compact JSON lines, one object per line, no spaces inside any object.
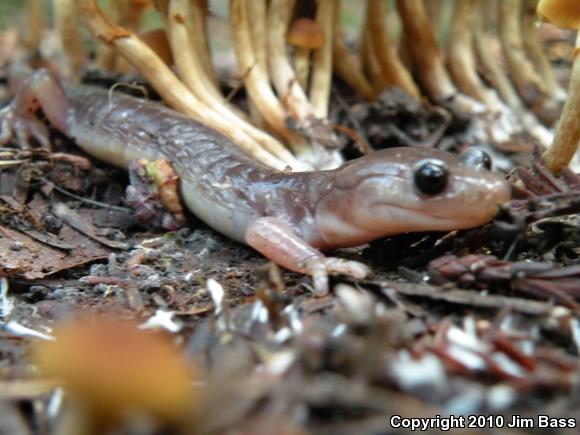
{"x":221,"y":184}
{"x":287,"y":216}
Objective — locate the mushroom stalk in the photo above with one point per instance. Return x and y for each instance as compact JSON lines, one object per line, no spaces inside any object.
{"x":174,"y":92}
{"x":35,"y":23}
{"x":188,"y":49}
{"x":290,"y":92}
{"x":344,"y":63}
{"x":370,"y":64}
{"x":460,"y":56}
{"x":281,"y":72}
{"x":527,"y":82}
{"x":257,"y":82}
{"x":497,"y":77}
{"x":495,"y":74}
{"x":322,"y":65}
{"x":257,"y":10}
{"x":194,"y":76}
{"x":392,"y":69}
{"x":567,"y":136}
{"x":536,"y":52}
{"x":492,"y":70}
{"x":436,"y":11}
{"x":302,"y":65}
{"x":198,"y":34}
{"x":65,"y":14}
{"x":106,"y":56}
{"x":427,"y":61}
{"x":462,"y":66}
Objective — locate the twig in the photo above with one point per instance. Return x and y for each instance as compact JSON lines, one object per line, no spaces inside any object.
{"x":85,"y":200}
{"x":467,"y":297}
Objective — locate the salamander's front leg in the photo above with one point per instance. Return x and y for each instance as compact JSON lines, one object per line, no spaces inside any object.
{"x":41,"y":90}
{"x":277,"y":241}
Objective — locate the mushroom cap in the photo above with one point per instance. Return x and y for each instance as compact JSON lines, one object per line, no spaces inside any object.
{"x":305,"y":33}
{"x":561,"y":13}
{"x":112,"y":367}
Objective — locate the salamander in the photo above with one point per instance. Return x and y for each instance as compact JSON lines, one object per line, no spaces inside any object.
{"x":289,"y":217}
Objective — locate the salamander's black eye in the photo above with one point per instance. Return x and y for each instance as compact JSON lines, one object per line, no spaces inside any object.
{"x":476,"y":158}
{"x":430,"y":176}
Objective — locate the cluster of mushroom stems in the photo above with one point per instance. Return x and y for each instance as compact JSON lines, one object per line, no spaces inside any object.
{"x":490,"y":67}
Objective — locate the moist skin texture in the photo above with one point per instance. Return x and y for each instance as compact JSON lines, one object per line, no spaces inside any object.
{"x":287,"y":216}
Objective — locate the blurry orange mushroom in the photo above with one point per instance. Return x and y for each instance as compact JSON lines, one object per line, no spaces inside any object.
{"x":112,"y":368}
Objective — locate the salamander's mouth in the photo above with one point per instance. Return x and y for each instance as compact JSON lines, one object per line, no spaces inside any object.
{"x":406,"y":219}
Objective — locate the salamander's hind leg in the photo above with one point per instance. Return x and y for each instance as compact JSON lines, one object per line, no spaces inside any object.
{"x":18,"y":120}
{"x":277,"y":241}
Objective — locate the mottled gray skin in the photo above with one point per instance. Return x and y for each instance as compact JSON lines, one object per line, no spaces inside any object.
{"x":222,"y":185}
{"x":363,"y":200}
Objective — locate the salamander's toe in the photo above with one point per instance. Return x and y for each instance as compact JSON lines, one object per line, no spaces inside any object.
{"x":320,"y":268}
{"x":353,"y":269}
{"x":6,"y":122}
{"x":22,"y":127}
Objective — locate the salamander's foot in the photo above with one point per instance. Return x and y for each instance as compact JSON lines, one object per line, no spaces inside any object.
{"x":18,"y":120}
{"x":278,"y":241}
{"x":22,"y":127}
{"x":321,"y":267}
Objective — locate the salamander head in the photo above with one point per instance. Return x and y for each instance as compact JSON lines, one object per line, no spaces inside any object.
{"x":407,"y":190}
